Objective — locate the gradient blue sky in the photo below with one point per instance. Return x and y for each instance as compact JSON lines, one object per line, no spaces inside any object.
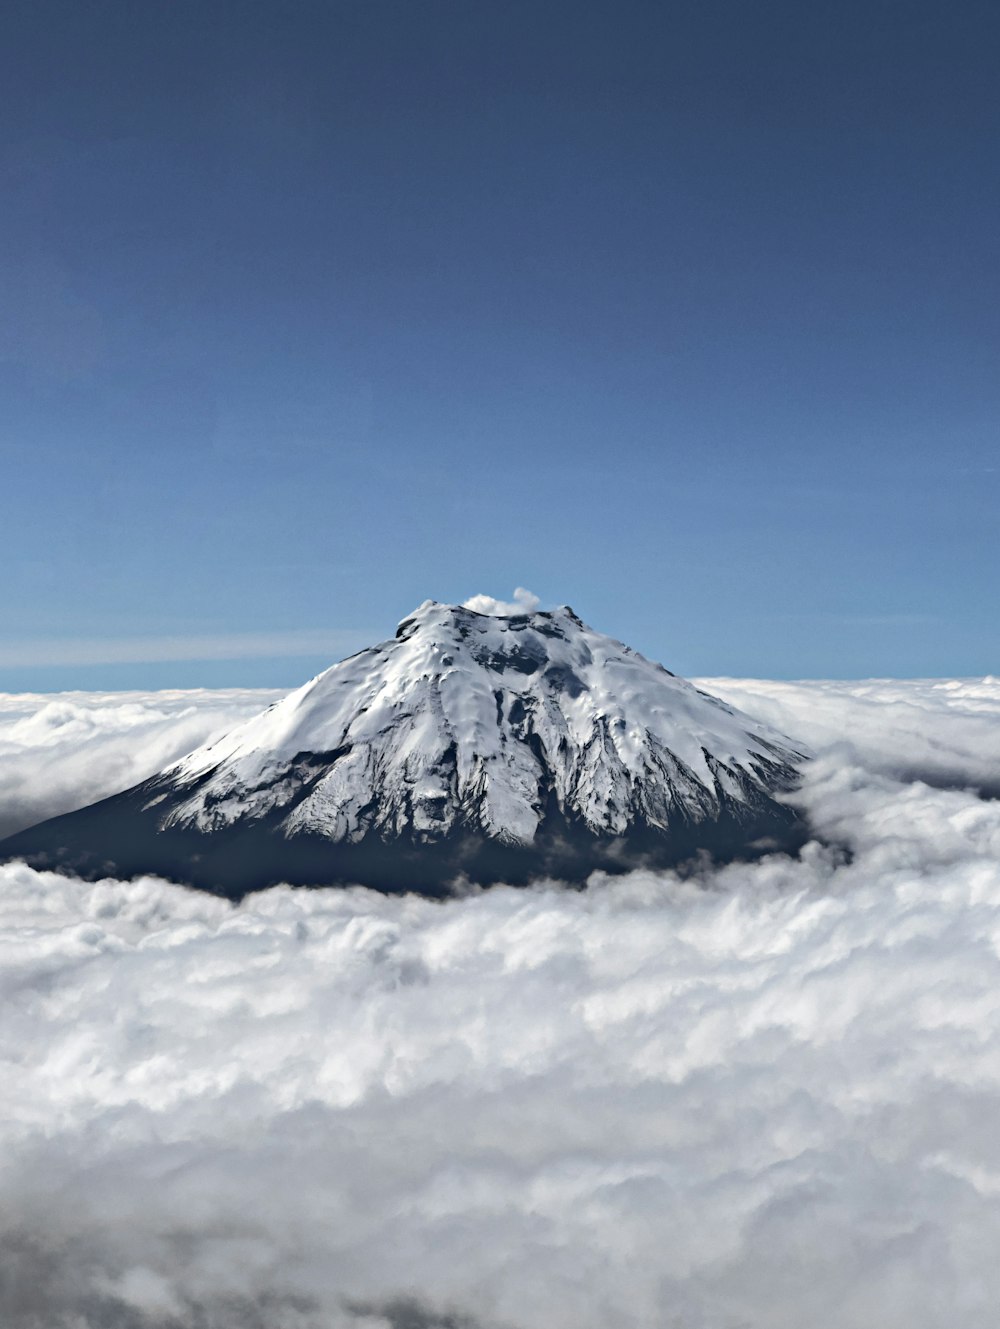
{"x":685,"y":313}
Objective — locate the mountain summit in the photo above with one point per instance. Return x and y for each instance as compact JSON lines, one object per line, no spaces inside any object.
{"x":486,"y":746}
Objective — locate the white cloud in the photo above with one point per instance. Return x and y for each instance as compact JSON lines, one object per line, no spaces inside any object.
{"x":59,"y":751}
{"x":524,"y":602}
{"x":943,"y":730}
{"x":762,"y":1099}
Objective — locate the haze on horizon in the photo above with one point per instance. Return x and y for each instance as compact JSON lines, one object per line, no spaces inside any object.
{"x":685,"y":314}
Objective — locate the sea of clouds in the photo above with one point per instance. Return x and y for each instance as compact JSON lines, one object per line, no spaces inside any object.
{"x":765,"y":1097}
{"x":59,"y":751}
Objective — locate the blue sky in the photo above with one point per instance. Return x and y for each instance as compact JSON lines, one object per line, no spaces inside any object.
{"x":686,"y":314}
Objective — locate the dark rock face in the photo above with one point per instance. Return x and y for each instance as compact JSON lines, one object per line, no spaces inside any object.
{"x":121,"y":837}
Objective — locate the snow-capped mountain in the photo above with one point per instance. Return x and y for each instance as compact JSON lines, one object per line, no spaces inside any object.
{"x":495,"y":746}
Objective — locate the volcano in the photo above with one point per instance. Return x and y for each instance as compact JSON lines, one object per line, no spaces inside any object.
{"x":471,"y":747}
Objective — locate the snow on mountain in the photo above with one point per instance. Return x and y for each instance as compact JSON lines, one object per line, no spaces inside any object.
{"x":467,"y":717}
{"x":506,"y":728}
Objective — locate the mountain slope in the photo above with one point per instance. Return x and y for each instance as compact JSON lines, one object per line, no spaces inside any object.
{"x":496,"y":747}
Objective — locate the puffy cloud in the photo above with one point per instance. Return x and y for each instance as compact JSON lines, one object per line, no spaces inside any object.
{"x":60,"y":751}
{"x":945,"y":731}
{"x":524,"y":602}
{"x":761,"y":1097}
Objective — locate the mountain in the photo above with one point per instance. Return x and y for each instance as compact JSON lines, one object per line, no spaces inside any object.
{"x":481,"y":746}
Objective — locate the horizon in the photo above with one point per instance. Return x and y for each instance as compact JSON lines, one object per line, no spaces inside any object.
{"x":240,"y":661}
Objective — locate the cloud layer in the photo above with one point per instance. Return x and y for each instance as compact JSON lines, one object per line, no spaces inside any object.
{"x":946,"y":731}
{"x":61,"y":751}
{"x":762,"y":1099}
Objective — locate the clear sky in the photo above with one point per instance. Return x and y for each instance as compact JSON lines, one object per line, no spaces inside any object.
{"x":684,"y":312}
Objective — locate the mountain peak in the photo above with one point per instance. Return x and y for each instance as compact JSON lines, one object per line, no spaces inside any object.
{"x":434,"y":616}
{"x":493,"y":739}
